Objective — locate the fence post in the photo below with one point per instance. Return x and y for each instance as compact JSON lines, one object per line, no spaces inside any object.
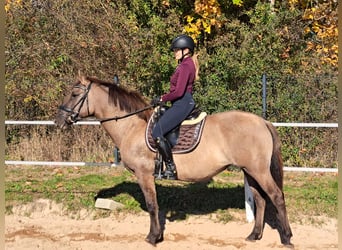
{"x":249,"y":202}
{"x":264,"y":103}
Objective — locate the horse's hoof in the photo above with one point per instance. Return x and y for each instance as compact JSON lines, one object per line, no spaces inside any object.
{"x":249,"y":239}
{"x":153,"y":240}
{"x":153,"y":243}
{"x":253,"y":237}
{"x":288,"y":245}
{"x":286,"y":241}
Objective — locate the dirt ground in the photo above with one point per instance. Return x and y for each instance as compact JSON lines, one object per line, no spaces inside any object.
{"x":43,"y":225}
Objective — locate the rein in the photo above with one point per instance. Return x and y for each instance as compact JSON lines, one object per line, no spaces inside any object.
{"x":125,"y":116}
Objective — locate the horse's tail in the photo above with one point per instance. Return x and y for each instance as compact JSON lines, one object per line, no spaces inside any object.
{"x":276,"y":160}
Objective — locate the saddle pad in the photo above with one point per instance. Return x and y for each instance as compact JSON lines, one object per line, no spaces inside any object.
{"x":189,"y":137}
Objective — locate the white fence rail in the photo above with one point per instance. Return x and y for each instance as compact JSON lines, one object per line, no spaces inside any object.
{"x":89,"y":122}
{"x":108,"y":164}
{"x":249,"y":201}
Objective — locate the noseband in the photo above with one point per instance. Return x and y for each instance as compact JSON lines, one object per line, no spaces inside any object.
{"x":73,"y":113}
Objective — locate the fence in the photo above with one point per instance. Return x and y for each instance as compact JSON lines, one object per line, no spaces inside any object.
{"x":249,"y":201}
{"x":48,"y":163}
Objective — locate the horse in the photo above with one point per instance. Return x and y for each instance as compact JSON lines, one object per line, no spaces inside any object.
{"x":230,"y":138}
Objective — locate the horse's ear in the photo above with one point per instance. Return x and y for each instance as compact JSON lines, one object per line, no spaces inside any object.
{"x":81,"y":77}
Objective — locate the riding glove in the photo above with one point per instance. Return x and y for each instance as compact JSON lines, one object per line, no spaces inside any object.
{"x":156,"y":101}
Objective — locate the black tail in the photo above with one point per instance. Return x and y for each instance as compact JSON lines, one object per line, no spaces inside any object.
{"x":276,"y":161}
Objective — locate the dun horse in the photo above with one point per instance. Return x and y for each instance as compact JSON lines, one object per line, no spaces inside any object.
{"x":229,"y":138}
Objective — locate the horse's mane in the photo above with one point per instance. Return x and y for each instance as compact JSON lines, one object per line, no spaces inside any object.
{"x":127,"y":100}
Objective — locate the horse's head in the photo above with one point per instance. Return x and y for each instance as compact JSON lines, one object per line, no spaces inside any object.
{"x":76,"y":104}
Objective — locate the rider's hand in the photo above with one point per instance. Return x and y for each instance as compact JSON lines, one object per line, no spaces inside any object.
{"x":156,"y":101}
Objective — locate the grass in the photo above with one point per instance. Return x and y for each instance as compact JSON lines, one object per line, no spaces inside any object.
{"x":307,"y":194}
{"x":313,"y":194}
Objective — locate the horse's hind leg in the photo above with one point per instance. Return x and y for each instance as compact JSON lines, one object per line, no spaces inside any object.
{"x":147,"y":185}
{"x":276,"y":195}
{"x":278,"y":200}
{"x":260,"y":205}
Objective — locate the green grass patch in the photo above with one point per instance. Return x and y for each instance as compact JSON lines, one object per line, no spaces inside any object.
{"x":312,"y":194}
{"x":306,"y":194}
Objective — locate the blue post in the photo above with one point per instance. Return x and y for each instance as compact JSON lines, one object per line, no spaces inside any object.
{"x":264,"y":105}
{"x":117,"y":158}
{"x":116,"y":80}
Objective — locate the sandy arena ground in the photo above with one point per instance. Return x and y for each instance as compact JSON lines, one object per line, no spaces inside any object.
{"x":43,"y":226}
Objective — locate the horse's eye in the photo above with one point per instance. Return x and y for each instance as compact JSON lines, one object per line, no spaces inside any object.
{"x":75,"y":93}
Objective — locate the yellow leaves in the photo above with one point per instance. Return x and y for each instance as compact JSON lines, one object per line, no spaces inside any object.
{"x":166,"y":3}
{"x":28,"y":99}
{"x":293,"y":4}
{"x":315,"y":27}
{"x":207,"y":8}
{"x":238,"y":2}
{"x":321,"y":28}
{"x":207,"y":27}
{"x":193,"y":30}
{"x":310,"y":45}
{"x":307,"y":30}
{"x":322,"y":22}
{"x":11,"y":3}
{"x":189,"y":19}
{"x":334,"y":49}
{"x":207,"y":13}
{"x":308,"y":17}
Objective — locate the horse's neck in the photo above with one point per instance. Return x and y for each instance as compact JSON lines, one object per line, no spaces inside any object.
{"x":122,"y":128}
{"x":116,"y":129}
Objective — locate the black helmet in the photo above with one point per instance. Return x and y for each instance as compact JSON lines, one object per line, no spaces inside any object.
{"x":183,"y":42}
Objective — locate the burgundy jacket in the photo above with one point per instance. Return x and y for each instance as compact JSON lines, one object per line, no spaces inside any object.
{"x":182,"y":80}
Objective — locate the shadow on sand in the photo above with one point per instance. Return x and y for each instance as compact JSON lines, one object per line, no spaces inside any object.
{"x":176,"y":202}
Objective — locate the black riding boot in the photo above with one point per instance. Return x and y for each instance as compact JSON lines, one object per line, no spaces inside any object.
{"x":164,"y":149}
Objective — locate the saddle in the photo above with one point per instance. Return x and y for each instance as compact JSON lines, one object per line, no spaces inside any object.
{"x":185,"y":137}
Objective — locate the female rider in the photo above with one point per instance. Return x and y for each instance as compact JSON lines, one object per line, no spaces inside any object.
{"x":180,"y":96}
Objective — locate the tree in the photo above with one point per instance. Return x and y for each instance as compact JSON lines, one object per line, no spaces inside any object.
{"x":205,"y":17}
{"x":11,"y":3}
{"x":322,"y":32}
{"x":321,"y":27}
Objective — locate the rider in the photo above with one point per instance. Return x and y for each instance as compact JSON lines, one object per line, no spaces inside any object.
{"x":180,"y":96}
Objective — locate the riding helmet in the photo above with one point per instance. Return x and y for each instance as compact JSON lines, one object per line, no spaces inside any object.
{"x":183,"y":42}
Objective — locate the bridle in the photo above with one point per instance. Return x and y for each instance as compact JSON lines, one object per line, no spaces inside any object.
{"x":73,"y":112}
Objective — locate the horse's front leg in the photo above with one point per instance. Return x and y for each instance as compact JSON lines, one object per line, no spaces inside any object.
{"x":148,"y":188}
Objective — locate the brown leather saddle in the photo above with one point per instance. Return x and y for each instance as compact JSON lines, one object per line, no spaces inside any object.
{"x":185,"y":137}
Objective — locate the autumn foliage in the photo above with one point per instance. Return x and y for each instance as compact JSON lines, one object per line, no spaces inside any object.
{"x":293,"y":42}
{"x":321,"y":31}
{"x":206,"y":16}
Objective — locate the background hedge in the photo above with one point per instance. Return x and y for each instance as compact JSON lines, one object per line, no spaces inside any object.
{"x":47,"y":42}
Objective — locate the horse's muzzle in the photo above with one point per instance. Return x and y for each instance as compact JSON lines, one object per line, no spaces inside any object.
{"x":65,"y":117}
{"x":62,"y":120}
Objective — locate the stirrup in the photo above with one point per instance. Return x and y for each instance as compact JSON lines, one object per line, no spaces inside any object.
{"x":170,"y":175}
{"x":158,"y":167}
